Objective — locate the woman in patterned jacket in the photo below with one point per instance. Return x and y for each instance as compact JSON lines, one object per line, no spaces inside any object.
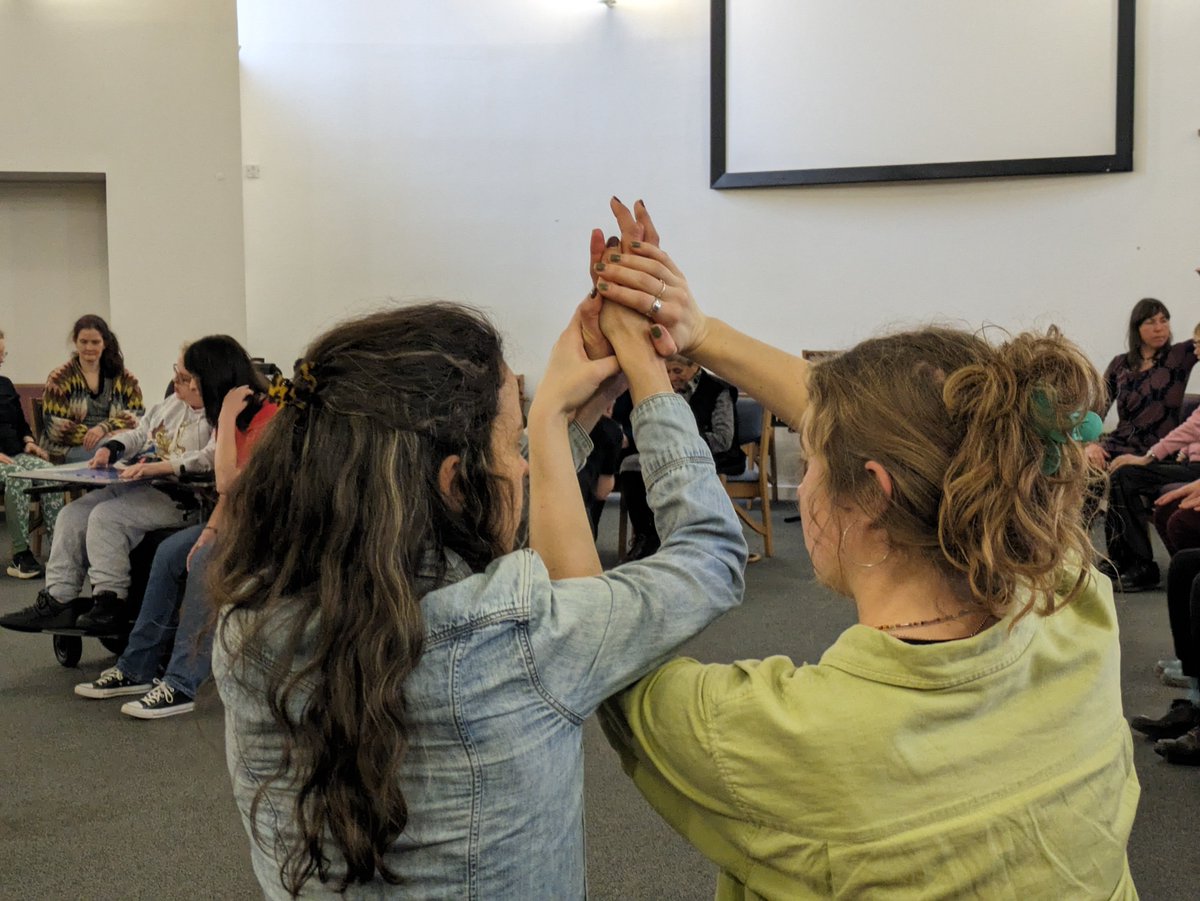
{"x":91,"y":395}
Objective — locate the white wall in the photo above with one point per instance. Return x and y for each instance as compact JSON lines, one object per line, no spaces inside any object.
{"x":145,"y":91}
{"x":53,"y":269}
{"x":463,"y":150}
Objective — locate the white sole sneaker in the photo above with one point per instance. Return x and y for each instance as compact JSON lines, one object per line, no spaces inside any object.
{"x":138,"y":711}
{"x":85,"y":690}
{"x":17,"y":573}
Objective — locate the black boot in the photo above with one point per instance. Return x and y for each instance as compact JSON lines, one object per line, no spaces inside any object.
{"x":1184,"y":750}
{"x":1182,"y":716}
{"x":106,"y":615}
{"x":25,"y":566}
{"x":1140,"y":576}
{"x":45,"y":613}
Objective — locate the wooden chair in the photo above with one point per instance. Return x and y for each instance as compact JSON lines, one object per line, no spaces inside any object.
{"x":754,"y":426}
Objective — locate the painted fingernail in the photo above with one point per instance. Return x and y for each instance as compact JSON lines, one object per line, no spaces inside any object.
{"x":617,"y":199}
{"x":599,"y":267}
{"x":593,"y":294}
{"x":656,"y":332}
{"x":614,"y":258}
{"x":612,"y":242}
{"x":642,"y":202}
{"x":602,"y":286}
{"x":635,"y":244}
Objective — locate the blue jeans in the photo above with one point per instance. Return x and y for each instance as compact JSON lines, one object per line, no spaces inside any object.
{"x":173,"y":611}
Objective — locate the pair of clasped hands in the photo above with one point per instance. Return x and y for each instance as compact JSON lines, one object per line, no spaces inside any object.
{"x":628,"y":275}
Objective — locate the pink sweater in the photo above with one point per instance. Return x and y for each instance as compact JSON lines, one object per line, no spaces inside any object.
{"x":1184,"y":437}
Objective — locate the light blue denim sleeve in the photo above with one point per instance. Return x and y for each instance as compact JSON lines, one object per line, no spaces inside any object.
{"x":592,"y":637}
{"x":581,"y":444}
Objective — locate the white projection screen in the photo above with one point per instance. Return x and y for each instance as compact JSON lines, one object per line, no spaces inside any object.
{"x":829,"y":91}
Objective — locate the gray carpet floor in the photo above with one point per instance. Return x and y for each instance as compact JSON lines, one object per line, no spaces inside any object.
{"x":95,"y":805}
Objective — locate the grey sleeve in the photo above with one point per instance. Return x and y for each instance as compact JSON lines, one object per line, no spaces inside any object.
{"x":720,"y":439}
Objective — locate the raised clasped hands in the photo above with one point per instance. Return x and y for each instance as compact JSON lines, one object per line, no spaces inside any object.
{"x":572,"y":378}
{"x":641,"y":276}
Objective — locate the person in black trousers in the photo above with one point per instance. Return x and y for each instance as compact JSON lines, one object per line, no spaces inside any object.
{"x":713,"y":404}
{"x":1178,"y":732}
{"x":1135,"y":480}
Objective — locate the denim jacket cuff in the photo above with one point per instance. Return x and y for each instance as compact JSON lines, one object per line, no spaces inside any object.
{"x":581,"y":444}
{"x":665,"y":431}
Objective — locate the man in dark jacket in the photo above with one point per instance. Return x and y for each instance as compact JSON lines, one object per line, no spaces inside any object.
{"x":712,"y":402}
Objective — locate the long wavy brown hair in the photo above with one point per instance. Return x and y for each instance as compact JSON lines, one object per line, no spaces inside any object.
{"x":961,"y":427}
{"x":329,"y":525}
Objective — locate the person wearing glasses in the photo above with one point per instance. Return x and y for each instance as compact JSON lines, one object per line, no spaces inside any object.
{"x":95,"y":534}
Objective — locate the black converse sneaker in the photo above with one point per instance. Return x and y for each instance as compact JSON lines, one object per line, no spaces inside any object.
{"x":25,"y":566}
{"x":111,"y":683}
{"x":160,"y":701}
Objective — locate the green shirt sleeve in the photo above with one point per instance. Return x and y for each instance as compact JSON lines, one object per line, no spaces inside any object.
{"x":664,"y":730}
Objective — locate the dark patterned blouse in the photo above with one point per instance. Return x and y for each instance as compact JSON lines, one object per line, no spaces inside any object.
{"x":1147,"y":402}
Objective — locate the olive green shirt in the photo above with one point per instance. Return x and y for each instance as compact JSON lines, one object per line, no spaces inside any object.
{"x":997,"y":767}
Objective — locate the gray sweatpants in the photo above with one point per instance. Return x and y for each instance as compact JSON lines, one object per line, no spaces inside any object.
{"x":94,"y":535}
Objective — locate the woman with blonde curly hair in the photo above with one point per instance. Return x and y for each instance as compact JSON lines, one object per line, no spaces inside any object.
{"x":965,"y":737}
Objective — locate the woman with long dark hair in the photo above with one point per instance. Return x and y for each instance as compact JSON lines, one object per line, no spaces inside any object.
{"x":95,"y":534}
{"x":168,"y":623}
{"x":90,"y":396}
{"x":404,"y":687}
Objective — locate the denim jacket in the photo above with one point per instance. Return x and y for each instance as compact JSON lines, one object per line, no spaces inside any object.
{"x":513,"y":664}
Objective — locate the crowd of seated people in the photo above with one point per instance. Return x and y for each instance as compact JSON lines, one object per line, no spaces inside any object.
{"x":1152,"y":462}
{"x":405,"y":684}
{"x":170,"y":624}
{"x":93,"y":413}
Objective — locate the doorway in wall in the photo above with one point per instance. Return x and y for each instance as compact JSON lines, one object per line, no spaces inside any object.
{"x":53,"y":266}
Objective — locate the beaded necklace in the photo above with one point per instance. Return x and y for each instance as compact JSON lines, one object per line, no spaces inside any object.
{"x":933,"y":622}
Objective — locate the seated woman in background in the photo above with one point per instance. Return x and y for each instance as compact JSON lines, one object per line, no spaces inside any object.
{"x":96,"y":533}
{"x":19,"y":452}
{"x":965,"y":738}
{"x":404,"y":688}
{"x":1146,"y":383}
{"x":1135,"y":481}
{"x":91,"y":395}
{"x":167,"y":622}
